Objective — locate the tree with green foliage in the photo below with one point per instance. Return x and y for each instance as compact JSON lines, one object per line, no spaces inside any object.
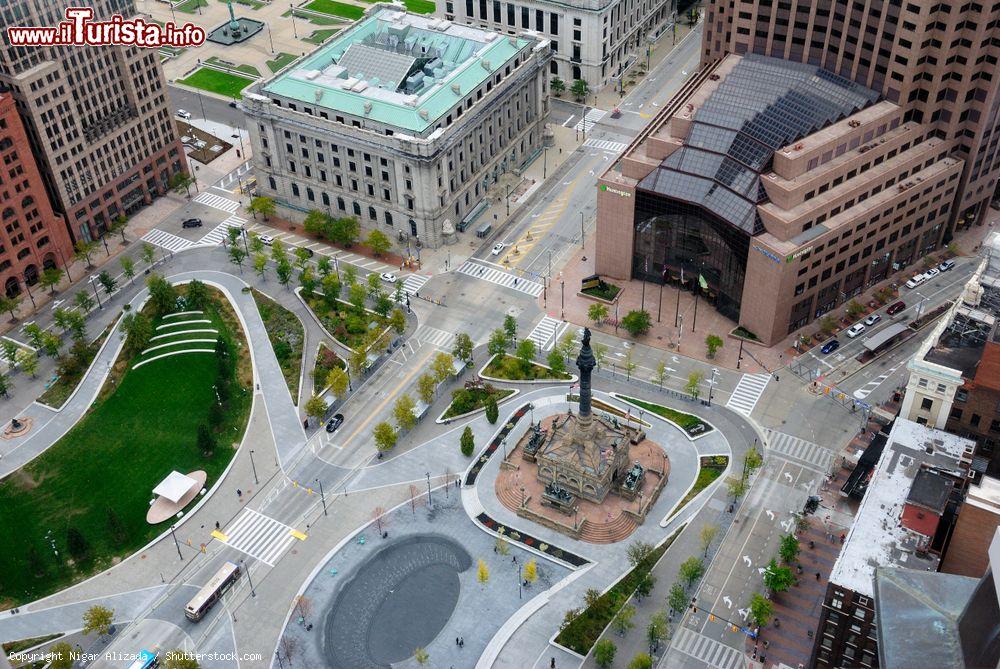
{"x":378,"y":242}
{"x":426,"y":385}
{"x":344,"y":231}
{"x":421,"y":656}
{"x":107,"y":282}
{"x":600,"y":352}
{"x":693,"y":385}
{"x":324,"y":266}
{"x":256,"y":243}
{"x":645,"y":586}
{"x":8,"y":351}
{"x":579,"y":89}
{"x":677,"y":598}
{"x":497,"y":344}
{"x":443,"y":366}
{"x":567,"y":345}
{"x":118,"y":225}
{"x":828,"y":324}
{"x":623,"y":621}
{"x":50,"y":344}
{"x":404,"y":412}
{"x":178,"y":659}
{"x":691,"y":570}
{"x":657,"y":630}
{"x":350,"y":273}
{"x":197,"y":294}
{"x":558,"y":86}
{"x":854,"y":309}
{"x":492,"y":410}
{"x":262,"y":205}
{"x":467,"y":442}
{"x":10,"y":304}
{"x":397,"y":321}
{"x":237,"y":255}
{"x":330,"y":285}
{"x":128,"y":268}
{"x":777,"y":578}
{"x":302,"y":256}
{"x":604,"y":653}
{"x":556,"y":361}
{"x":260,"y":265}
{"x":278,"y":251}
{"x":35,"y":334}
{"x":50,"y":278}
{"x":462,"y":350}
{"x":137,"y":330}
{"x":597,"y":312}
{"x":5,"y":385}
{"x":510,"y":330}
{"x":162,"y":294}
{"x":761,"y":609}
{"x":707,"y":535}
{"x":315,"y":222}
{"x":382,"y":306}
{"x":307,"y":280}
{"x":284,"y":271}
{"x":373,"y":284}
{"x":637,"y":322}
{"x":357,"y":360}
{"x":62,"y":655}
{"x":752,"y":460}
{"x":357,"y":295}
{"x":83,"y":301}
{"x":315,"y":407}
{"x":525,"y":353}
{"x":148,"y":253}
{"x":713,"y":343}
{"x":638,"y":551}
{"x":181,"y":182}
{"x":641,"y":661}
{"x":385,"y":436}
{"x":27,"y":362}
{"x":337,"y":382}
{"x":788,"y":548}
{"x":661,"y":374}
{"x":83,"y":249}
{"x":736,"y":486}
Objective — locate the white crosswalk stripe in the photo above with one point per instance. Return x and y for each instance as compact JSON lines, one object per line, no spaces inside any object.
{"x":748,"y":392}
{"x":501,"y":278}
{"x":434,"y":337}
{"x":217,"y":202}
{"x":590,"y":120}
{"x":711,"y":652}
{"x":799,"y":450}
{"x":606,"y":145}
{"x":414,"y":282}
{"x":260,"y":536}
{"x":546,"y":333}
{"x":166,"y":240}
{"x":221,"y":231}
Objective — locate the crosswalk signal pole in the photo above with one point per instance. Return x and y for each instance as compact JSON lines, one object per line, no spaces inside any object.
{"x":322,"y":496}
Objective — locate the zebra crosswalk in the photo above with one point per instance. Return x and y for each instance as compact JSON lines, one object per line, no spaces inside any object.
{"x":501,"y":278}
{"x":217,"y":202}
{"x":606,"y":145}
{"x":413,"y":283}
{"x":166,"y":240}
{"x":748,"y":392}
{"x":434,"y":337}
{"x":590,"y":120}
{"x":219,"y":232}
{"x":259,"y":536}
{"x":546,"y":332}
{"x":798,"y":450}
{"x":713,"y":653}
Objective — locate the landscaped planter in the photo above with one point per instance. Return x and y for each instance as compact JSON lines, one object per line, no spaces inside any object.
{"x":571,"y":378}
{"x":695,"y":428}
{"x":511,"y":394}
{"x":477,"y":466}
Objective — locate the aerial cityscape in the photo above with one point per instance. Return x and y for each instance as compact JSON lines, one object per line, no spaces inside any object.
{"x":481,"y":334}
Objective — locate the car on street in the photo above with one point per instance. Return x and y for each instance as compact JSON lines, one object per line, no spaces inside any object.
{"x":191,"y":223}
{"x":872,"y":320}
{"x":855,"y":330}
{"x":266,"y":240}
{"x":309,"y":252}
{"x":895,"y":308}
{"x":186,"y":115}
{"x":931,"y":273}
{"x":335,"y":422}
{"x":233,"y":105}
{"x":946,"y":265}
{"x":916,"y":281}
{"x":388,"y":277}
{"x":830,"y":346}
{"x":498,"y":248}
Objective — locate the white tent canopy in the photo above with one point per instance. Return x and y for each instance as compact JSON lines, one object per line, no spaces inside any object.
{"x":175,"y":486}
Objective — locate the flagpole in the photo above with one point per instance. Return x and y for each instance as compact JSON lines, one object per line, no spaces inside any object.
{"x":677,"y":309}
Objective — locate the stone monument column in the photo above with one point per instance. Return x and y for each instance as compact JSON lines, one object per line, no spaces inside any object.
{"x":585,"y":362}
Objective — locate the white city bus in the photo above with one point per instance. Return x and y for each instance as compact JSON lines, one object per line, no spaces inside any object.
{"x":211,"y":591}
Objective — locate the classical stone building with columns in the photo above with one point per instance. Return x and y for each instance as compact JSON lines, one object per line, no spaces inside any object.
{"x":402,"y":121}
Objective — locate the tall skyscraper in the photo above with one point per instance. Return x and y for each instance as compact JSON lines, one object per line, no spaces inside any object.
{"x":97,"y":117}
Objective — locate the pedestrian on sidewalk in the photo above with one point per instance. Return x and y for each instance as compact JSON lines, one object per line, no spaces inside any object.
{"x":843,"y":536}
{"x":239,"y":493}
{"x":817,"y":576}
{"x":456,"y":641}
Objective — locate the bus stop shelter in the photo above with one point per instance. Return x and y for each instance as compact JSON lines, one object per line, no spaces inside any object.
{"x":877,"y":341}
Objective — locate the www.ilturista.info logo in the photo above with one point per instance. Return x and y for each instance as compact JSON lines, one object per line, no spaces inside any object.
{"x":80,"y":30}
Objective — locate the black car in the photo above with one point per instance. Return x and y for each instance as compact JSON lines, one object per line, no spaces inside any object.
{"x":191,"y":223}
{"x":233,"y":105}
{"x":335,"y":422}
{"x":309,"y":252}
{"x":830,"y":346}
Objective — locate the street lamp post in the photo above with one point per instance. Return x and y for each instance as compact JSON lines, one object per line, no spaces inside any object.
{"x":104,"y":238}
{"x":270,"y":41}
{"x":243,"y":563}
{"x":28,"y":290}
{"x":562,"y":299}
{"x":254,"y":467}
{"x":176,"y":545}
{"x":294,"y":29}
{"x":503,"y":444}
{"x":545,"y":162}
{"x":711,"y":385}
{"x":582,"y":245}
{"x":508,"y":199}
{"x":65,"y":266}
{"x":96,"y":294}
{"x":430,"y":502}
{"x":322,"y":496}
{"x":519,"y":580}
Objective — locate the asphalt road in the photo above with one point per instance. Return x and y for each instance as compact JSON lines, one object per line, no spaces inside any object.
{"x":205,"y":106}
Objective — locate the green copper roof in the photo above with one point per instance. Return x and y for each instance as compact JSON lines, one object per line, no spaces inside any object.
{"x":459,"y":52}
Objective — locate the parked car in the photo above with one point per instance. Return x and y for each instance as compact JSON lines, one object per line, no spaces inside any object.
{"x":335,"y":422}
{"x":872,"y":320}
{"x":931,"y":273}
{"x":895,"y":308}
{"x":388,"y":277}
{"x":191,"y":223}
{"x":309,"y":252}
{"x":830,"y":346}
{"x":266,"y":240}
{"x":855,"y":330}
{"x":916,"y":281}
{"x":946,"y":265}
{"x":233,"y":105}
{"x":498,"y":248}
{"x":186,"y":115}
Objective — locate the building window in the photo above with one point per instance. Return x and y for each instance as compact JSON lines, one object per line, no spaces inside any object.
{"x":975,"y":420}
{"x":926,"y":404}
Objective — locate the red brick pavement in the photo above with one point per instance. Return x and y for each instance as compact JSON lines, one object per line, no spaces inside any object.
{"x":798,"y":609}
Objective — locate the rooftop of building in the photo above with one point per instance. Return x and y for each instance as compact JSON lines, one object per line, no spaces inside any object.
{"x":930,"y":491}
{"x":986,"y":495}
{"x":401,"y":69}
{"x":974,"y":323}
{"x":877,"y":538}
{"x":761,"y":105}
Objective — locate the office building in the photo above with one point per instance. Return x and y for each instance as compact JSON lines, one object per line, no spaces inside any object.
{"x":402,"y":121}
{"x":954,"y":381}
{"x":591,"y":40}
{"x":34,"y":238}
{"x":904,"y":520}
{"x":788,"y":189}
{"x":98,"y":118}
{"x":978,"y":520}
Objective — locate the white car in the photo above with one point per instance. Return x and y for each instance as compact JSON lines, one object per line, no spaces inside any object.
{"x":855,"y":330}
{"x":266,"y":240}
{"x":498,"y":248}
{"x":388,"y":278}
{"x":916,"y":281}
{"x":931,"y":273}
{"x":181,"y":113}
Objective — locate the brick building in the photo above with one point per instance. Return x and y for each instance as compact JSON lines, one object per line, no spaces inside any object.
{"x":33,"y":237}
{"x":978,"y":520}
{"x":97,"y":117}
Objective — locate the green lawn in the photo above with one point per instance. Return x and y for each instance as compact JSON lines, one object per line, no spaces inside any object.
{"x":606,"y":291}
{"x":342,"y":9}
{"x":686,"y":421}
{"x":252,"y":4}
{"x":420,"y":6}
{"x":465,"y":400}
{"x":286,"y":334}
{"x":214,"y":81}
{"x":281,"y":60}
{"x":343,"y":322}
{"x":141,"y":427}
{"x":245,"y":69}
{"x":320,"y":36}
{"x":512,"y":369}
{"x":191,"y":6}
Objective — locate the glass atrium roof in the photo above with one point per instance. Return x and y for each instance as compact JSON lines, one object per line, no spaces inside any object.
{"x":762,"y":105}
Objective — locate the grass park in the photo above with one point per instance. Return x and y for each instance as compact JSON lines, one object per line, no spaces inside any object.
{"x":87,"y":495}
{"x":214,"y":81}
{"x":280,"y":61}
{"x":320,"y":36}
{"x":334,"y":8}
{"x":687,"y":422}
